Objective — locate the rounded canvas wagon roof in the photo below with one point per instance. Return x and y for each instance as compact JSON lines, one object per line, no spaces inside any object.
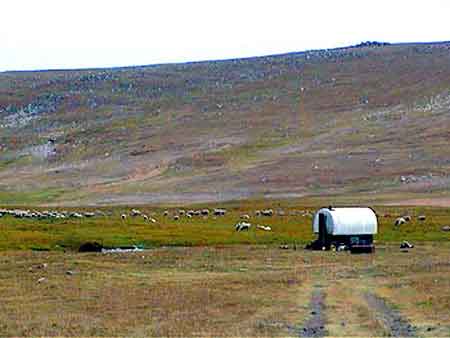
{"x":348,"y":220}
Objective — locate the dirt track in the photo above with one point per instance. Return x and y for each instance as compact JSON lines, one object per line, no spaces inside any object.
{"x":315,"y":326}
{"x":390,"y":319}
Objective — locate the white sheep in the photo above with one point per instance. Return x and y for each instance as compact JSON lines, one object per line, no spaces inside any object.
{"x":241,"y":226}
{"x":135,"y":212}
{"x":399,"y":221}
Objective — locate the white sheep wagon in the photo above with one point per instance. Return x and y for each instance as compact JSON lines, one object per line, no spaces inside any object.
{"x":345,"y":227}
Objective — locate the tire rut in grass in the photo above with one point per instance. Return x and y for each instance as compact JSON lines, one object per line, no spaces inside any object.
{"x":315,"y":326}
{"x":389,"y":317}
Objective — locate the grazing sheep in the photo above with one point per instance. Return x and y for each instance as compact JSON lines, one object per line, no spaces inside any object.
{"x":258,"y":213}
{"x":181,"y":212}
{"x":399,"y":221}
{"x":188,"y":215}
{"x":219,"y":212}
{"x":176,"y":218}
{"x":135,"y":212}
{"x":421,"y":218}
{"x":145,"y":217}
{"x":445,"y":228}
{"x":205,"y":212}
{"x":87,"y":214}
{"x":197,"y":213}
{"x":265,"y":228}
{"x":245,"y":216}
{"x":406,"y":245}
{"x":166,"y":213}
{"x":152,"y":220}
{"x":241,"y":226}
{"x":123,"y":216}
{"x":73,"y":214}
{"x":267,"y":212}
{"x":407,"y":218}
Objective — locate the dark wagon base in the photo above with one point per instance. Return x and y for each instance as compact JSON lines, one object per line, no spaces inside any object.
{"x":354,"y":243}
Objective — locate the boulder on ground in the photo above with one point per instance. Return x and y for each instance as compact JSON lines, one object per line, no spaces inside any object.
{"x":90,"y":247}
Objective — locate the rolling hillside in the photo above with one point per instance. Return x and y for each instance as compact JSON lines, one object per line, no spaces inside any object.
{"x":364,"y":122}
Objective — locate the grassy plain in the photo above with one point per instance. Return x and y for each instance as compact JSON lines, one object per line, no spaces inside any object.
{"x":201,"y":278}
{"x":291,"y":227}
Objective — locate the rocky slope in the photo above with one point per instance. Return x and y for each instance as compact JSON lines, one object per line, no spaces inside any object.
{"x":372,"y":119}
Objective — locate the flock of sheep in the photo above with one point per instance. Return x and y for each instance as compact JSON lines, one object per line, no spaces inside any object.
{"x":405,"y":219}
{"x":18,"y":213}
{"x":243,"y":225}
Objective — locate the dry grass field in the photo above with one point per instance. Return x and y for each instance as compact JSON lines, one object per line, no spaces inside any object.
{"x":226,"y":291}
{"x":198,"y":277}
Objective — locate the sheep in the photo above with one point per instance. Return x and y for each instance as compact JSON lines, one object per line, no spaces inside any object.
{"x":73,"y":214}
{"x":421,"y":218}
{"x":176,"y":218}
{"x":88,"y":214}
{"x":219,"y":212}
{"x":123,"y":216}
{"x":166,"y":213}
{"x":135,"y":212}
{"x":188,"y":215}
{"x":245,"y":216}
{"x":399,"y":221}
{"x":145,"y":217}
{"x":181,"y":212}
{"x":258,"y":213}
{"x":407,"y":218}
{"x":197,"y":213}
{"x":267,"y":212}
{"x":152,"y":220}
{"x":241,"y":226}
{"x":205,"y":212}
{"x":265,"y":228}
{"x":406,"y":245}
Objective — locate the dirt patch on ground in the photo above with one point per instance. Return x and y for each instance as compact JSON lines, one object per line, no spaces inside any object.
{"x":431,"y":202}
{"x":391,"y":319}
{"x":315,"y":326}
